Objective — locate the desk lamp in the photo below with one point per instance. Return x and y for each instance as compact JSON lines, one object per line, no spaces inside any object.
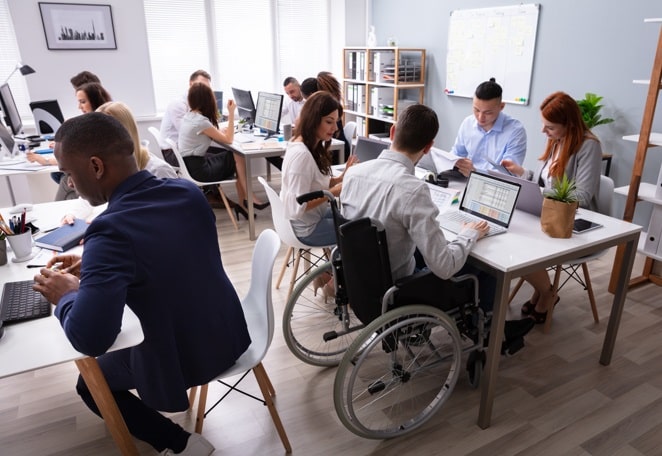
{"x":24,"y":69}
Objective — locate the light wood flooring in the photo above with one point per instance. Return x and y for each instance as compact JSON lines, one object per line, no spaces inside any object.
{"x":553,"y":398}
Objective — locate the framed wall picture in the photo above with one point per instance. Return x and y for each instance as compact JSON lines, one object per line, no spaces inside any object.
{"x":74,"y":26}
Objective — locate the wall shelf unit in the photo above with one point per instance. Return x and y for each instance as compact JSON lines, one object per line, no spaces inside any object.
{"x":380,"y":82}
{"x":649,"y":243}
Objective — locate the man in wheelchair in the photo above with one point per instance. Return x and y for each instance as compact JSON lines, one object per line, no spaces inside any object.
{"x":386,"y":190}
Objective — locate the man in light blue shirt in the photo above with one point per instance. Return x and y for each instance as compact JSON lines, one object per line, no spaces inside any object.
{"x":490,"y":135}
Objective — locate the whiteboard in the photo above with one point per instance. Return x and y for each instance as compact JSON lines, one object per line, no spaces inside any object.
{"x":489,"y":43}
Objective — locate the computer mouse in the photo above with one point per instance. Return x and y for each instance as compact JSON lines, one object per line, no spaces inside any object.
{"x":19,"y":208}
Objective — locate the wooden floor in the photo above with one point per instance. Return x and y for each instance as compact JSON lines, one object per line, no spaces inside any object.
{"x":553,"y":397}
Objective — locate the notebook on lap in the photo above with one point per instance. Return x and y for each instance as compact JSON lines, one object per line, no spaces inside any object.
{"x":530,"y":199}
{"x":486,"y":198}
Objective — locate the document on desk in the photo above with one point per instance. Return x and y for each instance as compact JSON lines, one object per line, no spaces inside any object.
{"x":23,"y":165}
{"x":262,"y":145}
{"x":442,"y":159}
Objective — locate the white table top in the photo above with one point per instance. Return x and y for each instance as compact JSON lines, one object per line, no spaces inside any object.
{"x":40,"y":343}
{"x":19,"y":165}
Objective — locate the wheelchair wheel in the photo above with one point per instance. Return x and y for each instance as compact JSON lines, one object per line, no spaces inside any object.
{"x":475,"y":366}
{"x":315,"y":331}
{"x":398,"y":372}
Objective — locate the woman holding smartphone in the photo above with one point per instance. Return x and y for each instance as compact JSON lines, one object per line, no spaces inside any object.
{"x":572,"y":149}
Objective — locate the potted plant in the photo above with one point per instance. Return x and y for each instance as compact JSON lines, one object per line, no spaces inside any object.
{"x":558,"y":208}
{"x":590,"y":108}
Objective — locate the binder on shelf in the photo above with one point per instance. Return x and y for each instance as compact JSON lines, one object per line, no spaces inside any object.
{"x":63,"y":238}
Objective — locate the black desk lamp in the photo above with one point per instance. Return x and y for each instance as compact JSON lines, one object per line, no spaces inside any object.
{"x":24,"y":69}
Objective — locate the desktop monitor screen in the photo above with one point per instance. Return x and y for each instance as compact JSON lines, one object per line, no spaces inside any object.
{"x":12,"y":117}
{"x":245,"y":105}
{"x":267,"y":111}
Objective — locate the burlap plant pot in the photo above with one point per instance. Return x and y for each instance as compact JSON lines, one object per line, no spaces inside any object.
{"x":557,"y":218}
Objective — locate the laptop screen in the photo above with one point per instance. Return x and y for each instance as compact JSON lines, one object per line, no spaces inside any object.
{"x":368,"y":149}
{"x":490,"y":198}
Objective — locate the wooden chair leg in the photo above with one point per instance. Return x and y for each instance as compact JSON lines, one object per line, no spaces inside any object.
{"x":589,"y":289}
{"x":228,"y":208}
{"x":264,"y":383}
{"x":520,"y":282}
{"x":290,"y":250}
{"x":202,"y":403}
{"x":295,"y":270}
{"x":555,"y":287}
{"x":191,"y":396}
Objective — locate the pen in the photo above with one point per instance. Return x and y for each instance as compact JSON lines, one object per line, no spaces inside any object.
{"x":23,"y":222}
{"x":35,"y":266}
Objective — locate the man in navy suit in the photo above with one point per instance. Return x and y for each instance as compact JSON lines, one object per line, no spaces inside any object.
{"x":156,"y":250}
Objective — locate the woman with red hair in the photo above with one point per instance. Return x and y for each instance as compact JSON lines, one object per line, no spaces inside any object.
{"x":572,"y":149}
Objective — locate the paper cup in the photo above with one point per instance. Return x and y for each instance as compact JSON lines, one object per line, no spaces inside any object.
{"x":21,"y":245}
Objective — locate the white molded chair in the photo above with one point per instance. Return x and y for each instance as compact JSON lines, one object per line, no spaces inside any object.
{"x":259,"y":313}
{"x":286,"y":234}
{"x":571,"y":268}
{"x":183,"y":171}
{"x":156,"y":133}
{"x":47,"y":116}
{"x":350,"y":131}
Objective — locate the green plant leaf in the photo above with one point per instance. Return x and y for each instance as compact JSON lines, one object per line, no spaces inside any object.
{"x":563,"y":190}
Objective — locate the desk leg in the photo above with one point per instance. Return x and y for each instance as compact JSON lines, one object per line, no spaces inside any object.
{"x":489,"y":378}
{"x":96,"y":383}
{"x":618,"y":303}
{"x":249,"y":198}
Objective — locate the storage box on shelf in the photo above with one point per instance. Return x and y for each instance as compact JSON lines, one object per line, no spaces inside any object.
{"x":379,"y":83}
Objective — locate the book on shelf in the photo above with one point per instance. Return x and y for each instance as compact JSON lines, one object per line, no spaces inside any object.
{"x":64,"y":237}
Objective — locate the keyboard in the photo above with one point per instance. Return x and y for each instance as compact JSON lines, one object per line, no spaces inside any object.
{"x":242,"y":138}
{"x":454,"y":220}
{"x":20,"y":302}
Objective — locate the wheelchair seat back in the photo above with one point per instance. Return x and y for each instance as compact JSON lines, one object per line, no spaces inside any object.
{"x":366,"y":268}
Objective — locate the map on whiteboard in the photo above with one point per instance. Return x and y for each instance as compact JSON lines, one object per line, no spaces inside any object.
{"x":489,"y":43}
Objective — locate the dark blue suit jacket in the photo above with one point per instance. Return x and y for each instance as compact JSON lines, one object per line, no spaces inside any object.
{"x":156,"y":249}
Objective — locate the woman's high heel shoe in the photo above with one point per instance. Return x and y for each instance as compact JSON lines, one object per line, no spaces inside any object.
{"x":240,"y":210}
{"x":257,"y":206}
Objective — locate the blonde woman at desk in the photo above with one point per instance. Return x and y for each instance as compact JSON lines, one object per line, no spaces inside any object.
{"x":199,"y":127}
{"x":572,"y":150}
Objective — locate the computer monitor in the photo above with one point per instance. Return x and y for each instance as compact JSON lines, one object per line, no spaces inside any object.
{"x":245,"y":105}
{"x":267,"y":112}
{"x":12,"y":117}
{"x":218,"y":94}
{"x":47,"y":116}
{"x":6,"y":142}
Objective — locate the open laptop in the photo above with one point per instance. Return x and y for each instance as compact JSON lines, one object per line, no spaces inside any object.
{"x":530,"y":199}
{"x":366,"y":149}
{"x":486,"y":198}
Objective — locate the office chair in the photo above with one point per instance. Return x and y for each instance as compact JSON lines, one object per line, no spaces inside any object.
{"x":183,"y":171}
{"x":259,"y":313}
{"x":47,"y":116}
{"x":350,"y":131}
{"x":286,"y":234}
{"x":571,"y":268}
{"x":160,"y":142}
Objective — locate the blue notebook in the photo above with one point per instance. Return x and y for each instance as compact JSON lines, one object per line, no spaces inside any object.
{"x":64,"y":237}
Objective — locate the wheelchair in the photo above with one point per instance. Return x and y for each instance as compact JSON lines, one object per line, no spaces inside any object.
{"x":398,"y":346}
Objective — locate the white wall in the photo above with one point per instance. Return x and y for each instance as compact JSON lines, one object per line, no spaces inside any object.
{"x":125,"y":72}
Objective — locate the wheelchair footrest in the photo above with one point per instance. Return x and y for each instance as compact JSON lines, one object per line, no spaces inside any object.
{"x":330,"y":336}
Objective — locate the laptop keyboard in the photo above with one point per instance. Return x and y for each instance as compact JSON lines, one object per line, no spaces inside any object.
{"x":20,"y":302}
{"x":454,"y":220}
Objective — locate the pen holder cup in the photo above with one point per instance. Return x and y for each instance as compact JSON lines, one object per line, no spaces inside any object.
{"x":3,"y":252}
{"x":21,"y":245}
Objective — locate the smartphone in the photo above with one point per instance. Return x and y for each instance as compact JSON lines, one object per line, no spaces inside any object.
{"x":581,"y":226}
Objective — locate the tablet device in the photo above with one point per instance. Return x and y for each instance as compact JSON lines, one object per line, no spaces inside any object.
{"x":582,"y":226}
{"x":502,"y":169}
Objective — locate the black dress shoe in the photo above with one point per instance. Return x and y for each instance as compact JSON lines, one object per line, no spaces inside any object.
{"x":517,"y":328}
{"x":259,"y":207}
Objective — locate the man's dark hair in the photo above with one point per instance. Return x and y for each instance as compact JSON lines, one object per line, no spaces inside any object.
{"x":94,"y":133}
{"x":416,"y":128}
{"x":290,"y":80}
{"x":83,"y":78}
{"x":309,"y":87}
{"x":488,"y":90}
{"x":197,"y":73}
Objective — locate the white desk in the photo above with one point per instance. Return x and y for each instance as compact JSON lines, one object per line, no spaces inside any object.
{"x":524,"y":249}
{"x":41,"y":343}
{"x":271,"y":149}
{"x":18,"y":165}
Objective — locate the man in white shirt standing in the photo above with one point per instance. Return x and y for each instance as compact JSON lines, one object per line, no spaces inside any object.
{"x":292,"y":108}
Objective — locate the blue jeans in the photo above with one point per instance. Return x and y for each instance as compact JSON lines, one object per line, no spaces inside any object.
{"x":324,"y":233}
